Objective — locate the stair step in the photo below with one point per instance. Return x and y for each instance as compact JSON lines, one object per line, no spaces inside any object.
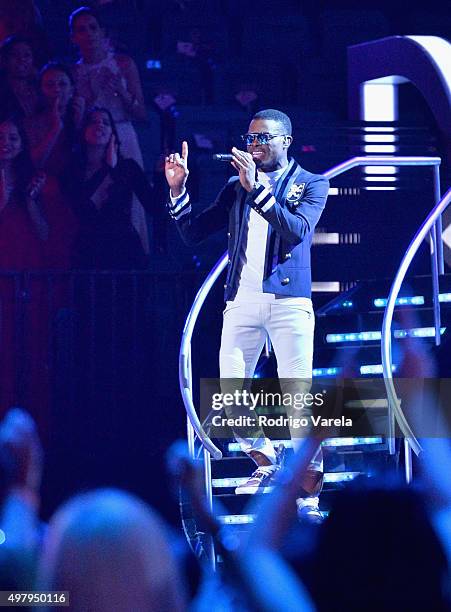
{"x":360,"y":299}
{"x":232,"y":505}
{"x":332,"y":442}
{"x":329,"y":477}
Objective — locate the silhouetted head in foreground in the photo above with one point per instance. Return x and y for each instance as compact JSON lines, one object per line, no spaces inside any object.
{"x":111,"y":552}
{"x":379,"y":551}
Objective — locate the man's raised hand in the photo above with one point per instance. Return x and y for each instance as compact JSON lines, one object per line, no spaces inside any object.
{"x":245,"y":165}
{"x":176,"y":170}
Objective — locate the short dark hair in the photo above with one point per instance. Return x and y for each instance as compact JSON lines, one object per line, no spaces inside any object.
{"x":275,"y":115}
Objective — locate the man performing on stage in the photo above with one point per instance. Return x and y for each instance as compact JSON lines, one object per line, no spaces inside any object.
{"x":271,"y":209}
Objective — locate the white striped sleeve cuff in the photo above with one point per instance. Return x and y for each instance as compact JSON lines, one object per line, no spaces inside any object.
{"x":178,"y":207}
{"x":263,"y":200}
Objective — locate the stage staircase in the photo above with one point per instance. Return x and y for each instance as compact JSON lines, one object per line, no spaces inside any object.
{"x":347,"y":342}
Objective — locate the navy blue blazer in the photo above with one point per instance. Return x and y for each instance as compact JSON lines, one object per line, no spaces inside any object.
{"x":292,"y":214}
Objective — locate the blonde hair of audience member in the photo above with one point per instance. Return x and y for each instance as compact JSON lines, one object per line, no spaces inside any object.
{"x":111,"y":552}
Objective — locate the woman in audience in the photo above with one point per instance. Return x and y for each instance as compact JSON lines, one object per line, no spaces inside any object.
{"x":111,"y":81}
{"x":101,"y":184}
{"x":18,"y":86}
{"x":23,"y":18}
{"x":22,"y":225}
{"x":52,"y":131}
{"x":111,"y":552}
{"x":53,"y":134}
{"x":23,"y":230}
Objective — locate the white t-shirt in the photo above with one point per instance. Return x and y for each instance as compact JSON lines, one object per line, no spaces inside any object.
{"x":250,"y":287}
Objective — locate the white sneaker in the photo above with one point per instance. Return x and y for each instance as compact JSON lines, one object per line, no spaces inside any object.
{"x":308,"y":510}
{"x":259,"y":482}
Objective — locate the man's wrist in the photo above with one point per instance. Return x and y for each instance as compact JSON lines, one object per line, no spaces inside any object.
{"x":262,"y":199}
{"x":177,"y":192}
{"x":253,"y":187}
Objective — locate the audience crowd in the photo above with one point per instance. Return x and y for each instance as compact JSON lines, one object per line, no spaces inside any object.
{"x":73,"y":191}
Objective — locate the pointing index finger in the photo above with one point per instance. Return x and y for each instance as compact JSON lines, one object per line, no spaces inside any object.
{"x":185,"y":150}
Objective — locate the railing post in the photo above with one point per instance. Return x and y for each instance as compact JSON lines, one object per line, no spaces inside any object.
{"x":408,"y":461}
{"x":391,"y":422}
{"x":438,"y":223}
{"x":435,"y":283}
{"x":189,"y":427}
{"x":209,"y":499}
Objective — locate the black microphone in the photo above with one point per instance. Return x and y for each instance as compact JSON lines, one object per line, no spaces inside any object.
{"x":224,"y":157}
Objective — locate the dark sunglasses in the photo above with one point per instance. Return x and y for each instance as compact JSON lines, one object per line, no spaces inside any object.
{"x":262,"y":137}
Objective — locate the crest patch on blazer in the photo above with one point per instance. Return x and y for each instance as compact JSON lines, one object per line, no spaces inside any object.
{"x":295,"y":193}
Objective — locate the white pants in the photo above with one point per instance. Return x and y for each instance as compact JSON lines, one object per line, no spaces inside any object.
{"x":290,"y":329}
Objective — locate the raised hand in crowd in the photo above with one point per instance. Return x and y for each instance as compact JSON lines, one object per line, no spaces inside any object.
{"x":56,"y":116}
{"x":33,"y":192}
{"x":4,"y":191}
{"x":21,"y":452}
{"x":78,"y":110}
{"x":176,"y":170}
{"x":112,"y":151}
{"x":21,"y":460}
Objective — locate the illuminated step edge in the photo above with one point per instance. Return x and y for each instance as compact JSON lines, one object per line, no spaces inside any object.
{"x":375,"y":368}
{"x":246,"y":519}
{"x":415,"y":300}
{"x":235,"y":447}
{"x":381,"y":179}
{"x":326,"y":286}
{"x":334,"y":442}
{"x":336,"y":238}
{"x":380,"y":188}
{"x":227,"y":483}
{"x":384,"y":148}
{"x":236,"y":519}
{"x":326,"y":238}
{"x":344,"y":191}
{"x":384,"y":138}
{"x":325,"y":372}
{"x":367,"y":403}
{"x":444,"y":297}
{"x":380,"y":170}
{"x":379,"y":129}
{"x":367,"y":336}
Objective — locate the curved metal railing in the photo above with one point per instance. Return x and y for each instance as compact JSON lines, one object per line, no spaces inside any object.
{"x":428,"y":224}
{"x":185,"y":372}
{"x":194,"y":426}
